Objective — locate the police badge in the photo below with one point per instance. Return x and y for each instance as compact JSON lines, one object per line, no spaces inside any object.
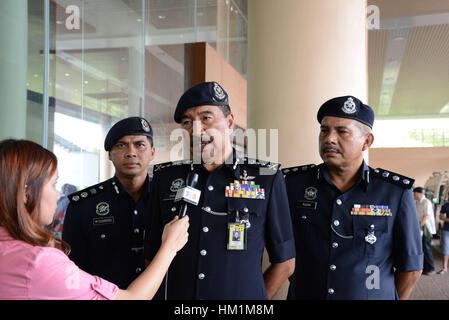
{"x":102,"y":208}
{"x":349,"y":106}
{"x":176,"y":185}
{"x":218,"y":92}
{"x":310,"y":193}
{"x":145,"y":125}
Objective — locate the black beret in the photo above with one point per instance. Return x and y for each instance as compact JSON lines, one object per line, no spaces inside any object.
{"x":203,"y":94}
{"x":419,"y":190}
{"x":132,"y":126}
{"x":347,"y":107}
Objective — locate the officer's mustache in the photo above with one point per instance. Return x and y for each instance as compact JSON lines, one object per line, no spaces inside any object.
{"x":330,"y":148}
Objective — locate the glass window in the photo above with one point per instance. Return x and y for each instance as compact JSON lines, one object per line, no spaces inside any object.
{"x":110,"y":59}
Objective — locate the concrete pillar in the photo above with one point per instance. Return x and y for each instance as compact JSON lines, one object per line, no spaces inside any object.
{"x":13,"y":67}
{"x":300,"y":54}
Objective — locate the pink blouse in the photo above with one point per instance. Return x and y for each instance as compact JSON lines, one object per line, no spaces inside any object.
{"x":33,"y":272}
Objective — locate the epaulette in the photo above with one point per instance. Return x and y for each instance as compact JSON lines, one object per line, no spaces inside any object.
{"x":395,"y":178}
{"x":160,"y":166}
{"x":298,"y":169}
{"x":86,"y":193}
{"x":260,"y":163}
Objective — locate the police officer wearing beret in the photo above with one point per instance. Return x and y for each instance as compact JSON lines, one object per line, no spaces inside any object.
{"x":356,"y":228}
{"x":105,"y":223}
{"x":238,"y":196}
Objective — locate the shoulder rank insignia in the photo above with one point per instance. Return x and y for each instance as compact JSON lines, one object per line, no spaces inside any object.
{"x":261,"y":163}
{"x":298,"y":169}
{"x":395,"y":178}
{"x":160,"y":166}
{"x":85,"y":193}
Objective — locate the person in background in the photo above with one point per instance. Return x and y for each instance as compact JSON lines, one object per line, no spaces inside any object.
{"x":31,"y":267}
{"x":444,"y":216}
{"x":63,"y":202}
{"x":427,"y":224}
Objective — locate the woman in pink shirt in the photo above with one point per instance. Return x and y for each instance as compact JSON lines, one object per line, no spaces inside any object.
{"x":31,"y":267}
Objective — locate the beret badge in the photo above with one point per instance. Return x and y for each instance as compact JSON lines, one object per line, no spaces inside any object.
{"x":145,"y":125}
{"x":218,"y":92}
{"x":349,"y":106}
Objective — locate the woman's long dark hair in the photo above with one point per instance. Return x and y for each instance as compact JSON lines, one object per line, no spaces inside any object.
{"x":25,"y":167}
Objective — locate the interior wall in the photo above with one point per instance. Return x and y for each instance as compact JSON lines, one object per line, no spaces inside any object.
{"x":417,"y":163}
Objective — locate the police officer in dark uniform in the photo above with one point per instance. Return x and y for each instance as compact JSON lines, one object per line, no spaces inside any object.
{"x":356,"y":228}
{"x":105,"y":223}
{"x":237,"y":194}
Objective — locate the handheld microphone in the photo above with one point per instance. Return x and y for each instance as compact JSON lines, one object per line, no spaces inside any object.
{"x":188,"y":194}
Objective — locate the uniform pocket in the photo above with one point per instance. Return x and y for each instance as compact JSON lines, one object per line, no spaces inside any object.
{"x":251,"y":212}
{"x":362,"y":226}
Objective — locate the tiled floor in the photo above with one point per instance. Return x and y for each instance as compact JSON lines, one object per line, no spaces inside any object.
{"x":434,"y":287}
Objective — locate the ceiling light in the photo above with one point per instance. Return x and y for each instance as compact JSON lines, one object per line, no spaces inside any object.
{"x":139,"y":20}
{"x":35,"y":75}
{"x":86,"y":82}
{"x":59,"y":22}
{"x":67,"y":74}
{"x":161,"y":17}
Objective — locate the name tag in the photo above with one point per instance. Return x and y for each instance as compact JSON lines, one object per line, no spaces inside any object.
{"x":103,"y":221}
{"x":305,"y":204}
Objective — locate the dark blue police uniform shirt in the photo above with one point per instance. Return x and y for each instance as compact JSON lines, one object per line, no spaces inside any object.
{"x":105,"y":229}
{"x":445,"y":210}
{"x":204,"y":268}
{"x":334,"y":260}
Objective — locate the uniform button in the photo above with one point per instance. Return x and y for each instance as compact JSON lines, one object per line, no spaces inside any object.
{"x":332,"y":267}
{"x":138,"y":270}
{"x":207,"y":209}
{"x":203,"y":252}
{"x":330,"y":291}
{"x":210,"y":188}
{"x":201,"y":276}
{"x":135,"y":212}
{"x":102,"y":236}
{"x":336,"y":223}
{"x":339,"y":202}
{"x":136,"y":230}
{"x":173,"y":209}
{"x":205,"y":229}
{"x":245,"y":210}
{"x":334,"y":245}
{"x":304,"y":217}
